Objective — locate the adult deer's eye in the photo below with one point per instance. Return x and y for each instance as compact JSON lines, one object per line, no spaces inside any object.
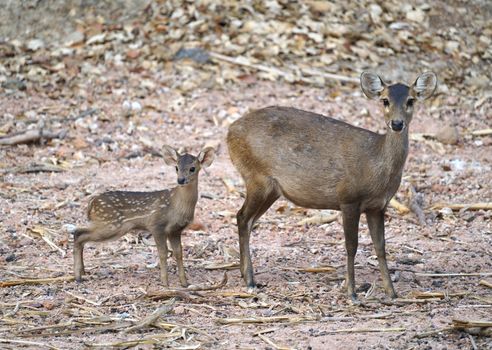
{"x":410,"y":102}
{"x":192,"y":169}
{"x":386,"y":103}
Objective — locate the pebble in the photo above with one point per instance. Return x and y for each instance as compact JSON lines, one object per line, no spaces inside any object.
{"x":449,"y":135}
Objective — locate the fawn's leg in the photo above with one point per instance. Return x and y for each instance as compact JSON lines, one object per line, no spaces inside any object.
{"x":161,"y":242}
{"x":175,"y":240}
{"x":96,"y":233}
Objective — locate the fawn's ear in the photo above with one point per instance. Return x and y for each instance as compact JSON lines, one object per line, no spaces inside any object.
{"x":371,"y":84}
{"x":425,"y":85}
{"x":170,"y":155}
{"x":206,"y":156}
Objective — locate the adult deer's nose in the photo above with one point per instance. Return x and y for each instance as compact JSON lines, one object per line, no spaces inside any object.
{"x":397,"y":125}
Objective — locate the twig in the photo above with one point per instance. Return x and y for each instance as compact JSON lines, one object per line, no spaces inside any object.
{"x":153,"y":317}
{"x":453,"y":274}
{"x":459,"y":206}
{"x":288,"y":75}
{"x":485,"y":283}
{"x":482,"y":132}
{"x":222,"y":266}
{"x":166,"y":294}
{"x":314,"y":269}
{"x":433,"y":332}
{"x":319,"y":219}
{"x":157,"y":338}
{"x":33,"y":168}
{"x":26,"y":342}
{"x":35,"y":281}
{"x":271,"y":343}
{"x":472,"y":341}
{"x":31,"y":136}
{"x":440,"y":295}
{"x":203,"y":287}
{"x":84,"y":299}
{"x":400,"y":208}
{"x":273,"y":319}
{"x":368,"y":330}
{"x":44,"y":233}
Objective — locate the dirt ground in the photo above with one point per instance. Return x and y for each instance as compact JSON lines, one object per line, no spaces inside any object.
{"x":442,"y":267}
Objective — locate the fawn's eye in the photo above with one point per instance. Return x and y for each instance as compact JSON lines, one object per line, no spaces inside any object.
{"x":176,"y":168}
{"x":192,"y":169}
{"x":386,"y":103}
{"x":410,"y":102}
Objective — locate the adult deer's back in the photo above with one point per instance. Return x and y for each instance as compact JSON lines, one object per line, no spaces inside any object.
{"x":319,"y":162}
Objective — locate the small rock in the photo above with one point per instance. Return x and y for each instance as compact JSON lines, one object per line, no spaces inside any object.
{"x":416,"y":15}
{"x":10,"y":258}
{"x":196,"y":54}
{"x":448,"y":135}
{"x":35,"y":44}
{"x":74,"y":38}
{"x":375,"y":10}
{"x":451,"y":46}
{"x":14,"y":84}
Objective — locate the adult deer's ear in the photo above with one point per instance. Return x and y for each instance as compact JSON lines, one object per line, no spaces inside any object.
{"x":371,"y":84}
{"x":206,"y":156}
{"x":170,"y":155}
{"x":425,"y":85}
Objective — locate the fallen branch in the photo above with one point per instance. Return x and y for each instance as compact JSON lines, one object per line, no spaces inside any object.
{"x":439,"y":295}
{"x":34,"y":168}
{"x":314,"y":269}
{"x":149,"y":320}
{"x":400,"y":208}
{"x":319,"y":219}
{"x":25,"y":342}
{"x":368,"y":330}
{"x":485,"y":283}
{"x":473,"y":327}
{"x":480,"y":274}
{"x":272,"y":319}
{"x":204,"y":287}
{"x":30,"y":136}
{"x":288,"y":75}
{"x":271,"y":343}
{"x":459,"y":206}
{"x":483,"y":132}
{"x":167,"y":294}
{"x":36,"y":281}
{"x":222,"y":266}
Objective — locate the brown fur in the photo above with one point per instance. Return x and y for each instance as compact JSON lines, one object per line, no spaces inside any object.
{"x":163,"y":213}
{"x":319,"y":162}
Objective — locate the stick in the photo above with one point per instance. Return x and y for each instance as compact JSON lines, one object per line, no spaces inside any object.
{"x":433,"y":332}
{"x":222,"y":266}
{"x":288,"y":75}
{"x":153,"y":317}
{"x":203,"y":287}
{"x":459,"y":206}
{"x":400,"y":208}
{"x":368,"y":330}
{"x":25,"y":342}
{"x":440,"y":295}
{"x":472,"y":341}
{"x":485,"y":283}
{"x":36,"y":281}
{"x":482,"y":132}
{"x":166,"y":294}
{"x":426,"y":274}
{"x":43,"y":233}
{"x":319,"y":219}
{"x":34,"y":168}
{"x":30,"y":136}
{"x":317,"y":269}
{"x":273,"y":319}
{"x":270,"y":342}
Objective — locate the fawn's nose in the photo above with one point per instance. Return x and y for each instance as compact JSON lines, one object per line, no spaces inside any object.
{"x":397,"y":125}
{"x":181,"y":180}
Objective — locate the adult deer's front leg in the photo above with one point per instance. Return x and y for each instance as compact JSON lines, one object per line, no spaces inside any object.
{"x":351,"y":216}
{"x":375,"y":221}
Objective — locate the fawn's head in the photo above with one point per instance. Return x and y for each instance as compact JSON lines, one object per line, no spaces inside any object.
{"x":188,"y":166}
{"x":398,"y":99}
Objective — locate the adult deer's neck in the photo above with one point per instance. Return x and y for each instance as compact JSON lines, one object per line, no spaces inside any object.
{"x":395,"y":150}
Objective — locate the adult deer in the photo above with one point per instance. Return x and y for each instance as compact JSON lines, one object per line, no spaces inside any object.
{"x":322,"y":163}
